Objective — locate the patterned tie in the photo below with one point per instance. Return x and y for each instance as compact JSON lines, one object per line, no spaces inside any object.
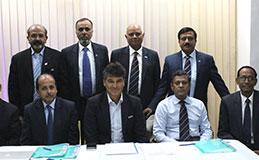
{"x":247,"y":123}
{"x":87,"y":78}
{"x":50,"y":126}
{"x":36,"y":71}
{"x":183,"y":123}
{"x":187,"y":66}
{"x":134,"y":76}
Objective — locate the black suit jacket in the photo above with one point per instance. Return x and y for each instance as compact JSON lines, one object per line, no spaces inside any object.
{"x":35,"y":130}
{"x":10,"y":126}
{"x":21,"y":83}
{"x":206,"y":72}
{"x":230,"y":119}
{"x":98,"y":125}
{"x":70,"y":86}
{"x":150,"y":72}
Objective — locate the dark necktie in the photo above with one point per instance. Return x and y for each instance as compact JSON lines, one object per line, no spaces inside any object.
{"x":183,"y":123}
{"x":187,"y":66}
{"x":134,"y":76}
{"x":247,"y":123}
{"x":87,"y":80}
{"x":50,"y":126}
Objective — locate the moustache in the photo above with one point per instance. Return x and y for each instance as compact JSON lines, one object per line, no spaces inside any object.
{"x":37,"y":42}
{"x":187,"y":44}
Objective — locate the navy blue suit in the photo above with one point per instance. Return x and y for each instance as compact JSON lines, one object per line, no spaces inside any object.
{"x":21,"y":82}
{"x":98,"y":122}
{"x":230,"y":119}
{"x":35,"y":130}
{"x":206,"y":72}
{"x":150,"y":72}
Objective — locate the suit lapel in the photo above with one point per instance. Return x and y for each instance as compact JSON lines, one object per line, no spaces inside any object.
{"x":106,"y":113}
{"x":238,"y":113}
{"x":41,"y":119}
{"x":97,"y":61}
{"x":178,"y":61}
{"x":198,"y":63}
{"x":124,"y":114}
{"x":74,"y":59}
{"x":255,"y":111}
{"x":145,"y":62}
{"x":29,"y":66}
{"x":57,"y":119}
{"x":47,"y":57}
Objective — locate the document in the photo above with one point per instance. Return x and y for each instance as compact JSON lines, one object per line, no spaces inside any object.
{"x":120,"y":148}
{"x":214,"y":146}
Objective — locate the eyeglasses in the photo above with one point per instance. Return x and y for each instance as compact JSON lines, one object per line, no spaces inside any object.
{"x":243,"y":79}
{"x":132,"y":34}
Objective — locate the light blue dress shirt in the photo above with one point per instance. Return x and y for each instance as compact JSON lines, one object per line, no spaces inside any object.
{"x":193,"y":70}
{"x":166,"y":122}
{"x":52,"y":106}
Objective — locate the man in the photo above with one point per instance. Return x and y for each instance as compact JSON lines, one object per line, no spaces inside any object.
{"x":239,"y":111}
{"x":50,"y":119}
{"x":28,"y":64}
{"x":180,"y":117}
{"x":200,"y":67}
{"x":148,"y":68}
{"x":114,"y":116}
{"x":83,"y":64}
{"x":10,"y":126}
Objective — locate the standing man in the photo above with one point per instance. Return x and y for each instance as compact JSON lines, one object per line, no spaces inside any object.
{"x":50,"y":119}
{"x":114,"y":116}
{"x":239,"y":111}
{"x":180,"y":117}
{"x":10,"y":126}
{"x":28,"y":64}
{"x":83,"y":64}
{"x":142,"y":66}
{"x":200,"y":67}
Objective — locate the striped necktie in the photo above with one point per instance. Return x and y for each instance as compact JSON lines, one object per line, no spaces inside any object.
{"x":87,"y":77}
{"x":37,"y":61}
{"x":134,"y":76}
{"x":187,"y":65}
{"x":183,"y":123}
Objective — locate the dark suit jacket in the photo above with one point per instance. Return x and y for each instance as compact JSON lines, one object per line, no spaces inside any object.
{"x":230,"y":119}
{"x":206,"y":72}
{"x":150,"y":72}
{"x":10,"y":126}
{"x":70,"y":86}
{"x":21,"y":83}
{"x":35,"y":130}
{"x":98,"y":125}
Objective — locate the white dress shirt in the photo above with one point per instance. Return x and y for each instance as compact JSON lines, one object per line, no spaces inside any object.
{"x":193,"y":70}
{"x":139,"y":57}
{"x":116,"y":122}
{"x":166,"y":122}
{"x":243,"y":99}
{"x":90,"y":54}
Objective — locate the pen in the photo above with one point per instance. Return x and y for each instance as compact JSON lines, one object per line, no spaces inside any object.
{"x":187,"y":144}
{"x":49,"y":149}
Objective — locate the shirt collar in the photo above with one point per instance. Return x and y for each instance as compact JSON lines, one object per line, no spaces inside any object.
{"x":176,"y":100}
{"x":41,"y":52}
{"x":243,"y":98}
{"x":110,"y":100}
{"x":89,"y":47}
{"x":131,"y":51}
{"x":193,"y":54}
{"x":52,"y":104}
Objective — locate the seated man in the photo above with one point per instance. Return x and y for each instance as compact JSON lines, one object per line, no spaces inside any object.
{"x":239,"y":111}
{"x":50,"y":119}
{"x":113,"y":116}
{"x":180,"y":117}
{"x":10,"y":126}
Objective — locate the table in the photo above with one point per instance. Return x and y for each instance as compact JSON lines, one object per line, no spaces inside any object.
{"x":161,"y":151}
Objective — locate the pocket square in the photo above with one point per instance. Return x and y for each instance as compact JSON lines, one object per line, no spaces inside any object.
{"x":131,"y":116}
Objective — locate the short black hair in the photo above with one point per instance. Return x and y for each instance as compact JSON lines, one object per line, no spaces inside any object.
{"x":180,"y":73}
{"x":187,"y":29}
{"x":28,"y":30}
{"x":238,"y":72}
{"x":44,"y":74}
{"x":114,"y":70}
{"x":84,"y":19}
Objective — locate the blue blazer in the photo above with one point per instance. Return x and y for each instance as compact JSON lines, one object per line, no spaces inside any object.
{"x":206,"y":72}
{"x":150,"y":71}
{"x":230,"y":119}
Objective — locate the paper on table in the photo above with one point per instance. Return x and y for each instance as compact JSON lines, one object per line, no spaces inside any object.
{"x":120,"y":148}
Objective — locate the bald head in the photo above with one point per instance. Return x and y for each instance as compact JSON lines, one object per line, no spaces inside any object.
{"x":134,"y":36}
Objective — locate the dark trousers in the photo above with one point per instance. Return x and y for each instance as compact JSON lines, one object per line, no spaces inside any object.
{"x":81,"y":110}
